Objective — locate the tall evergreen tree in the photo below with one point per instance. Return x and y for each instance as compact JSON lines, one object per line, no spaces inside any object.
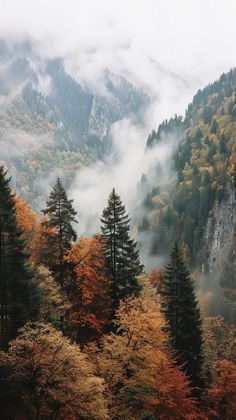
{"x":60,"y":216}
{"x":17,"y":292}
{"x":121,"y":254}
{"x":181,"y":310}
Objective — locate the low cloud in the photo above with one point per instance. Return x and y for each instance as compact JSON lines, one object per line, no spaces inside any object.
{"x":169,"y":49}
{"x":122,"y":169}
{"x":19,"y":143}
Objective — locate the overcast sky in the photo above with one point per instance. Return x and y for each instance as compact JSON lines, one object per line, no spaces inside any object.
{"x":171,"y":47}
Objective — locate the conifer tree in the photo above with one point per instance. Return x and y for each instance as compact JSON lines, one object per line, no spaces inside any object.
{"x":60,"y":215}
{"x":181,"y":310}
{"x":121,"y":254}
{"x":18,"y":295}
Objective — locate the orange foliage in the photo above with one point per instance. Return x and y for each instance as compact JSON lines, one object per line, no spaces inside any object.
{"x":37,"y":235}
{"x":88,"y":289}
{"x":26,"y":218}
{"x":210,"y":170}
{"x":27,"y":221}
{"x":138,"y":366}
{"x":154,"y":277}
{"x":219,"y":343}
{"x":222,"y":394}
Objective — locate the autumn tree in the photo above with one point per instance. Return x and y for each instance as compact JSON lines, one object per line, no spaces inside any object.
{"x":88,"y":289}
{"x":138,"y":366}
{"x":121,"y":254}
{"x":221,"y":395}
{"x":154,"y":277}
{"x":60,"y":215}
{"x":55,"y":379}
{"x":18,"y":296}
{"x":54,"y":303}
{"x":28,"y":223}
{"x":180,"y":308}
{"x":219,"y":344}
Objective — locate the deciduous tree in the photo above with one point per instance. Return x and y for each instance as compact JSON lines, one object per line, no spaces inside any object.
{"x":138,"y":366}
{"x":222,"y":393}
{"x":88,"y":289}
{"x":28,"y":223}
{"x":55,"y":379}
{"x":54,"y":303}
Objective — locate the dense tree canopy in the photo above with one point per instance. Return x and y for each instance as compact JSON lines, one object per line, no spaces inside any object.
{"x":85,"y":333}
{"x":55,"y":377}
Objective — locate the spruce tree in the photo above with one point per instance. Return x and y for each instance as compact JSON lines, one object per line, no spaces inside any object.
{"x":60,"y":215}
{"x":181,"y":310}
{"x":18,"y":295}
{"x":121,"y":254}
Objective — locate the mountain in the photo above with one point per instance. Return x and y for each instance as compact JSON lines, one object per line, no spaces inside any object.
{"x":50,"y":125}
{"x":197,"y":205}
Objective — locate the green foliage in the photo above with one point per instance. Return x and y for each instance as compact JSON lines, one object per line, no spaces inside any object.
{"x":60,"y":215}
{"x":181,"y":311}
{"x":168,"y":128}
{"x":18,"y":296}
{"x":50,"y":125}
{"x":121,"y":256}
{"x":204,"y":163}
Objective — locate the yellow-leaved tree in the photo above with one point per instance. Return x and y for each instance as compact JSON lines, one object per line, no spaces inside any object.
{"x":54,"y":304}
{"x":139,"y":369}
{"x":55,"y":379}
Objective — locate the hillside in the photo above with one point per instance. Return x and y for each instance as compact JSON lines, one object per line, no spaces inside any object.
{"x":49,"y":124}
{"x":197,"y":204}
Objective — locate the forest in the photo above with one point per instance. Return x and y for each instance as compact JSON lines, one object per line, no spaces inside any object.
{"x":85,"y":333}
{"x":117,"y":210}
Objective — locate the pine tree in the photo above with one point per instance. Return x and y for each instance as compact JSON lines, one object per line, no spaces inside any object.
{"x":60,"y":217}
{"x":121,"y":254}
{"x":18,"y":295}
{"x":181,"y":310}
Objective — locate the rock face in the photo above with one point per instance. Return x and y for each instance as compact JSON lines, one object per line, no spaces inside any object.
{"x":218,"y":251}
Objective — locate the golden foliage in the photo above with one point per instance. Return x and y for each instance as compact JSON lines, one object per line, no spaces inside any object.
{"x":138,"y":367}
{"x":27,"y":221}
{"x":56,"y":379}
{"x":219,"y":343}
{"x":88,"y":288}
{"x":222,"y":393}
{"x":53,"y":303}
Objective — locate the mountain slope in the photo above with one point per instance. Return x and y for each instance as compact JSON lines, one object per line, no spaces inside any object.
{"x":49,"y":124}
{"x":197,"y":207}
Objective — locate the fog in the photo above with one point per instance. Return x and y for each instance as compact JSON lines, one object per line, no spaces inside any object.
{"x":169,"y":49}
{"x":122,"y":169}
